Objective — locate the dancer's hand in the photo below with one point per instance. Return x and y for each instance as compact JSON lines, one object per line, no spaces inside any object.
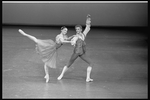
{"x":88,"y":16}
{"x":88,"y":20}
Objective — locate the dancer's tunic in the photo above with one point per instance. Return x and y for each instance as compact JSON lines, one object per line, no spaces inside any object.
{"x":78,"y":41}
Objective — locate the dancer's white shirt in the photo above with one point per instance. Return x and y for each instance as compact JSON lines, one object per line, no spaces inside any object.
{"x":81,"y":35}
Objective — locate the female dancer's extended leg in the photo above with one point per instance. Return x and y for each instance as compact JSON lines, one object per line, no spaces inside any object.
{"x":30,"y":36}
{"x":38,"y":42}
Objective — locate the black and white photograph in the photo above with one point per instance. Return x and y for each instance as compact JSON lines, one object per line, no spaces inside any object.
{"x":75,"y":49}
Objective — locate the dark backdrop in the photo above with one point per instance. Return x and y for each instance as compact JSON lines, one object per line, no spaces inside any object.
{"x":103,"y":14}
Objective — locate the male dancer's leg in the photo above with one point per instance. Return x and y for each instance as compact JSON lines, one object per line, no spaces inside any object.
{"x":71,"y":61}
{"x":89,"y":69}
{"x":85,"y":58}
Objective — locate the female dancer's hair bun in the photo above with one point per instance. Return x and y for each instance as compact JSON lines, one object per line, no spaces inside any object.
{"x":63,"y":27}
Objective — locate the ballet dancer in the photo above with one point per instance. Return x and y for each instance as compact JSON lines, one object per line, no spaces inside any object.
{"x":47,"y":49}
{"x":79,"y":49}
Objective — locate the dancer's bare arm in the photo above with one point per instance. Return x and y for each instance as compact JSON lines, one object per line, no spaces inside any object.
{"x":69,"y":38}
{"x":63,"y":40}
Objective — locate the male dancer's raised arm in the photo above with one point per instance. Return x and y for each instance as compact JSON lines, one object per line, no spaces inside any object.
{"x":79,"y":49}
{"x":88,"y":25}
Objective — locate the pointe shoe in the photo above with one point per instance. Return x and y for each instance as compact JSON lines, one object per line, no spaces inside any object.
{"x":63,"y":71}
{"x":60,"y":77}
{"x":22,"y":32}
{"x":89,"y":80}
{"x":47,"y":78}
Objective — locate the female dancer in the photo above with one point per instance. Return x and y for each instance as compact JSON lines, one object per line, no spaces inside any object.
{"x":79,"y":49}
{"x":47,"y":49}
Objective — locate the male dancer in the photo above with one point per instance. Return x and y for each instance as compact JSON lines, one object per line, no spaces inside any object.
{"x":79,"y":49}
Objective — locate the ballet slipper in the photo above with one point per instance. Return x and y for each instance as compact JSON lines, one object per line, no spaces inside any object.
{"x":47,"y":78}
{"x":63,"y":71}
{"x":60,"y":77}
{"x":89,"y":80}
{"x":22,"y":32}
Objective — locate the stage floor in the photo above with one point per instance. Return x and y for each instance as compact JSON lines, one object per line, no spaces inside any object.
{"x":120,"y":68}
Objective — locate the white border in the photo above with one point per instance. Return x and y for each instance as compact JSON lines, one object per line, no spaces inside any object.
{"x":74,"y":1}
